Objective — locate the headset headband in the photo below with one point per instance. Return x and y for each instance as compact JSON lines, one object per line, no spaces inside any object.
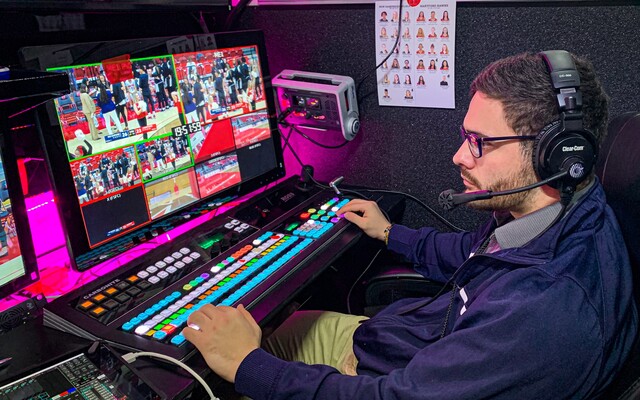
{"x":564,"y":78}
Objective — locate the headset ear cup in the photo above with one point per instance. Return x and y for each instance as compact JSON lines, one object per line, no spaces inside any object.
{"x":540,"y":149}
{"x":557,"y":150}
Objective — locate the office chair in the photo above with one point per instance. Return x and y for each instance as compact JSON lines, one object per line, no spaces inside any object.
{"x":619,"y":172}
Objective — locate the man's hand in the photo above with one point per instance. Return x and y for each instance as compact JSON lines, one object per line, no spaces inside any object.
{"x":226,"y":335}
{"x":372,"y":221}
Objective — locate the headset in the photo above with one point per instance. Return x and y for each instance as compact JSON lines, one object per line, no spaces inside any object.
{"x":565,"y":145}
{"x":564,"y":152}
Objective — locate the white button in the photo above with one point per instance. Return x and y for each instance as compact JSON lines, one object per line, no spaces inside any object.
{"x":176,"y":255}
{"x":154,"y":279}
{"x":142,"y":329}
{"x":179,"y":264}
{"x":168,"y":260}
{"x":208,"y":284}
{"x":152,"y":269}
{"x":244,"y":226}
{"x":142,"y":274}
{"x":215,"y":269}
{"x":184,"y":250}
{"x":235,"y":222}
{"x":161,"y":264}
{"x":181,"y":302}
{"x":171,"y":270}
{"x":194,"y":255}
{"x":257,"y":242}
{"x":173,"y":308}
{"x":229,"y":225}
{"x":165,"y":313}
{"x":163,"y":274}
{"x":239,"y":229}
{"x":187,"y":260}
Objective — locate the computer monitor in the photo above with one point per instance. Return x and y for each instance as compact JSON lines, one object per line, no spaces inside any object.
{"x":18,"y":265}
{"x":154,"y":130}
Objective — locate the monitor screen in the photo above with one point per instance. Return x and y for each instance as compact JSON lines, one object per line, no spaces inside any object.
{"x":155,"y":127}
{"x":18,"y":267}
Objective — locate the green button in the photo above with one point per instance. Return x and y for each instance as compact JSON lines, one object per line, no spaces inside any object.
{"x":158,"y":327}
{"x":166,"y":321}
{"x":173,"y":316}
{"x":315,"y":216}
{"x":182,"y":311}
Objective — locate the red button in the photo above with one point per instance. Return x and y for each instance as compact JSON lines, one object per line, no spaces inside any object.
{"x":305,"y":215}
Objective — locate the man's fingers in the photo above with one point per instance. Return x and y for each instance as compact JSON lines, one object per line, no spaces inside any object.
{"x":246,"y":314}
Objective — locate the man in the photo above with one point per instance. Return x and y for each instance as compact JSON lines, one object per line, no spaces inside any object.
{"x":89,"y":109}
{"x":539,"y":305}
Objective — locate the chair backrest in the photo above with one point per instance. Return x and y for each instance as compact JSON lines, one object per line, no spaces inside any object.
{"x":618,"y":168}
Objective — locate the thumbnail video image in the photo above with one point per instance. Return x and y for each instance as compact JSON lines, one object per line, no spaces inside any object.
{"x":171,"y":193}
{"x":216,"y":84}
{"x":11,"y":264}
{"x":218,"y":174}
{"x":163,"y":156}
{"x":212,"y":140}
{"x":252,"y":128}
{"x":107,"y":110}
{"x":103,"y":174}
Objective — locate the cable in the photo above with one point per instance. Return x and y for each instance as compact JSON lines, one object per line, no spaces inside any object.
{"x":131,"y":357}
{"x":358,"y":280}
{"x":424,"y":205}
{"x":235,"y":14}
{"x":386,"y":58}
{"x":295,"y":128}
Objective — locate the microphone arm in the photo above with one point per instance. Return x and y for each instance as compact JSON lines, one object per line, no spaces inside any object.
{"x":449,"y":199}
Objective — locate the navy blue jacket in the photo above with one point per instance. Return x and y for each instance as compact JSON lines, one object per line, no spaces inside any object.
{"x":553,"y":319}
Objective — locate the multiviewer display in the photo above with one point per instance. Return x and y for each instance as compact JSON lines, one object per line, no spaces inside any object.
{"x":146,"y":137}
{"x":12,"y":266}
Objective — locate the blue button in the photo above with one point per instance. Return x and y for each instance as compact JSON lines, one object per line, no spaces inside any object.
{"x":127,"y":326}
{"x":160,"y":335}
{"x":178,"y":339}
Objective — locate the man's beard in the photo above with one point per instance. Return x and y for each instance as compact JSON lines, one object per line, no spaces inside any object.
{"x":513,"y":202}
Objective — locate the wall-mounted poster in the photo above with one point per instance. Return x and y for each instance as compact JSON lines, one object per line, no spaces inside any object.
{"x":416,"y":45}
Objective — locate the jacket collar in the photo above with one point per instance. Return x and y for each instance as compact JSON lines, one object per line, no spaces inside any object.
{"x":585,"y":214}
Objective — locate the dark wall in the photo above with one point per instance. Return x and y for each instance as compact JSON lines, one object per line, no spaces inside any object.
{"x":410,"y":149}
{"x":19,"y":28}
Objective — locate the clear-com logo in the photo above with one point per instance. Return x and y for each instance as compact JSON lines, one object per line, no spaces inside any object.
{"x":572,"y":148}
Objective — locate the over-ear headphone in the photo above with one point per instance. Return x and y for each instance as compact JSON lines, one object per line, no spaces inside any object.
{"x":565,"y":145}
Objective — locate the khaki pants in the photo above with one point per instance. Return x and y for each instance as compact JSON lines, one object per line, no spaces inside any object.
{"x":317,"y":337}
{"x":92,"y":128}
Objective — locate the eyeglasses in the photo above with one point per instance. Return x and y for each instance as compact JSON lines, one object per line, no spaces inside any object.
{"x":475,"y":142}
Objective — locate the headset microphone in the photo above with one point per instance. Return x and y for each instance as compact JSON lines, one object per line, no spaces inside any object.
{"x":449,"y":199}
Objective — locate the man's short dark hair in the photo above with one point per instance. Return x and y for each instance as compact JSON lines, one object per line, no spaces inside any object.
{"x":523,"y":85}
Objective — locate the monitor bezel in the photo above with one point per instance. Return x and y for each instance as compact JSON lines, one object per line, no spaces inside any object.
{"x":56,"y":153}
{"x":8,"y":139}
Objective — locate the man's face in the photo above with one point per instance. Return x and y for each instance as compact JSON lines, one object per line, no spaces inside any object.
{"x":503,"y":164}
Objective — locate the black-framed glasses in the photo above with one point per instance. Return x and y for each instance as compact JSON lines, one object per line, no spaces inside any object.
{"x":475,"y":141}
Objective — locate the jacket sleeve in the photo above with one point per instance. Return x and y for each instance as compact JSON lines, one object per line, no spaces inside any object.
{"x":548,"y":346}
{"x":436,"y":254}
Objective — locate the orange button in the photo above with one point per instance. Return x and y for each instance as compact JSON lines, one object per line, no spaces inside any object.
{"x":111,"y":291}
{"x":133,"y":279}
{"x":86,"y":305}
{"x":99,"y":297}
{"x":98,"y":311}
